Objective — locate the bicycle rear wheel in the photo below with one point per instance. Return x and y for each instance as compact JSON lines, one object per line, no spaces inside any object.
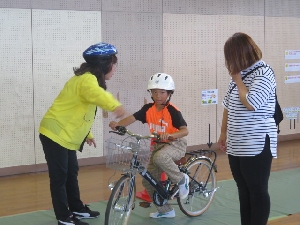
{"x":201,"y":195}
{"x":121,"y":202}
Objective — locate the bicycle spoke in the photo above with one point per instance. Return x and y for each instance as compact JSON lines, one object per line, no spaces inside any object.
{"x":121,"y":202}
{"x":202,"y":186}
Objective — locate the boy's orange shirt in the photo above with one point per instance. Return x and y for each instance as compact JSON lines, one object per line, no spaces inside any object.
{"x":168,"y":120}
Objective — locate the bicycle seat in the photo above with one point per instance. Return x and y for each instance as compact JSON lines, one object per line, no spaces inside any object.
{"x":181,"y":161}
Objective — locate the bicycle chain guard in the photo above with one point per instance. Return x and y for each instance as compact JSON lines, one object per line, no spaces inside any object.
{"x":158,"y":200}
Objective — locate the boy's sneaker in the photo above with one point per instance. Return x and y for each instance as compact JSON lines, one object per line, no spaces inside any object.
{"x":156,"y":215}
{"x":86,"y":213}
{"x":184,"y":188}
{"x":71,"y":221}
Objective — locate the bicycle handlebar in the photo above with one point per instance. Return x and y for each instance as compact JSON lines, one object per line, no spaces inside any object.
{"x":123,"y":130}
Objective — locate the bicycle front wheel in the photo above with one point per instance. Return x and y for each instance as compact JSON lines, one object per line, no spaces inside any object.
{"x":202,"y":188}
{"x":121,"y":202}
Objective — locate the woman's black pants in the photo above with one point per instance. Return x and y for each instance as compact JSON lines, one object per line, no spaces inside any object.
{"x":251,"y":175}
{"x":63,"y":171}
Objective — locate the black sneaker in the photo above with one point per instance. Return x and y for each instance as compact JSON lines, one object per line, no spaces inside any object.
{"x":86,"y":213}
{"x":71,"y":221}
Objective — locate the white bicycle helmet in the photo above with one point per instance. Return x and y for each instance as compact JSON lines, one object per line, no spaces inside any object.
{"x":161,"y":81}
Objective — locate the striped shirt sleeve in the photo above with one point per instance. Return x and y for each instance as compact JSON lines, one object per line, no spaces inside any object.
{"x":261,"y":87}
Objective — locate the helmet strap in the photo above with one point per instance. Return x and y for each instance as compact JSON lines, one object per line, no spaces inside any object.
{"x":168,"y":100}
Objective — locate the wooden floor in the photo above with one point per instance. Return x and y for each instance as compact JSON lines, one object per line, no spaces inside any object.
{"x":30,"y":192}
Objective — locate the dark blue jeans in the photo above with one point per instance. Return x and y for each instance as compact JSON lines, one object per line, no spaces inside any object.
{"x":63,"y":171}
{"x":251,"y":175}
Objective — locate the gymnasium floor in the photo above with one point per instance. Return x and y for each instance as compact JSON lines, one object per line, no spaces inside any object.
{"x":26,"y":199}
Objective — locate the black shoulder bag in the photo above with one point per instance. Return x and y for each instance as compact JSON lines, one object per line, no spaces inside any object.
{"x":278,"y":115}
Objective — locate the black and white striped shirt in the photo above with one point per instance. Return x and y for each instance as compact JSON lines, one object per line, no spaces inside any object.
{"x":246,"y":129}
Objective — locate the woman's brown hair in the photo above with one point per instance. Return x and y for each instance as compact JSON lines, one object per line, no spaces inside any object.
{"x":240,"y":52}
{"x":99,"y":70}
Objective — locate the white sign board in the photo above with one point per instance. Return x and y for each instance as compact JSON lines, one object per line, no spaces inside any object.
{"x":209,"y":97}
{"x":291,"y":113}
{"x":292,"y":54}
{"x":292,"y":67}
{"x":292,"y":79}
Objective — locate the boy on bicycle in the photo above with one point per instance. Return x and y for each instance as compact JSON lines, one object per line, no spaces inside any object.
{"x":165,"y":119}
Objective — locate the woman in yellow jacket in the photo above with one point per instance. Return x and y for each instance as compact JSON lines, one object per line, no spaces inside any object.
{"x":66,"y":127}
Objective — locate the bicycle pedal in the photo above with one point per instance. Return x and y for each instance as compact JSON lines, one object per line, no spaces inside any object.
{"x":145,"y":204}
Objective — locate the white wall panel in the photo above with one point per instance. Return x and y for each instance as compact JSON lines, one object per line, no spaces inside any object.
{"x":282,"y":8}
{"x":138,"y":38}
{"x":16,"y":104}
{"x":59,"y":38}
{"x":92,"y":5}
{"x":132,"y":5}
{"x":215,"y":7}
{"x":282,"y":33}
{"x":189,"y":56}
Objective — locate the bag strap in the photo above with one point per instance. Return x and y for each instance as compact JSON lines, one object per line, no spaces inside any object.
{"x":235,"y":84}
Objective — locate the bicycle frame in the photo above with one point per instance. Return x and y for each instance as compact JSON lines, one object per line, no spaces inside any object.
{"x":132,"y":182}
{"x":161,"y":190}
{"x":145,"y":174}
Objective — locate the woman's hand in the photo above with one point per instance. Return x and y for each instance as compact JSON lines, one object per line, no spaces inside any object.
{"x":91,"y":142}
{"x":222,"y":142}
{"x":236,"y":77}
{"x":242,"y":89}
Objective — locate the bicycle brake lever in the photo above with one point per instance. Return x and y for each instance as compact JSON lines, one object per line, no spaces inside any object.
{"x":157,"y":137}
{"x":116,"y":132}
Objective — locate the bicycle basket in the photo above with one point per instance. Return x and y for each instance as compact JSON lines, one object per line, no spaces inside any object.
{"x":119,"y":153}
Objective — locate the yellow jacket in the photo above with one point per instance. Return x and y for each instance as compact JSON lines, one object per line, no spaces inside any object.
{"x":69,"y":120}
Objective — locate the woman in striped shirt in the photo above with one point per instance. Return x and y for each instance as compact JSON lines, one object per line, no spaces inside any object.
{"x":248,"y":126}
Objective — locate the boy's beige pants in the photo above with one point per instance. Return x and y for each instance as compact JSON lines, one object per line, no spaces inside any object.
{"x":162,"y":160}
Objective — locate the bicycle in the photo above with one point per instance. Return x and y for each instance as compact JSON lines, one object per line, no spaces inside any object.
{"x":200,"y":169}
